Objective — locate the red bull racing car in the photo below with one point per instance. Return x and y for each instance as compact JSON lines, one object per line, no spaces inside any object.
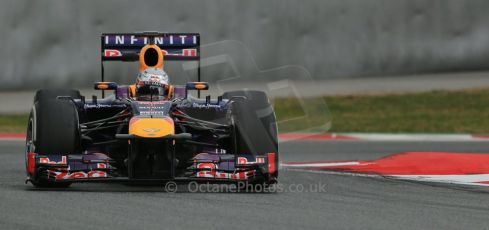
{"x":152,"y":131}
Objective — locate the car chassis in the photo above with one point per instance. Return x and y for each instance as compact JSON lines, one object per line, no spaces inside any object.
{"x":119,"y":139}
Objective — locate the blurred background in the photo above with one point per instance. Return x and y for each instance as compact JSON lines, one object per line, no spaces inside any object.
{"x":325,"y":48}
{"x":57,"y":43}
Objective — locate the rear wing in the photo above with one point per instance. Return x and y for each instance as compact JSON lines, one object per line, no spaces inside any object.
{"x":126,"y":47}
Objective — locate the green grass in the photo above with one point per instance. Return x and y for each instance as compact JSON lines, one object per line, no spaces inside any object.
{"x":13,"y":123}
{"x":431,"y":112}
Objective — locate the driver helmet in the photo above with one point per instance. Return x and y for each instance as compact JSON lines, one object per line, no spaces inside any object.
{"x":152,"y":85}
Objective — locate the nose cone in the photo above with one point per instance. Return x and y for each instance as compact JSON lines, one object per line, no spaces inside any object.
{"x":151,"y":127}
{"x":150,"y":56}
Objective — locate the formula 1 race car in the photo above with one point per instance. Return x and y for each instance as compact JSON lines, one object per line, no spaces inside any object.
{"x":152,"y":131}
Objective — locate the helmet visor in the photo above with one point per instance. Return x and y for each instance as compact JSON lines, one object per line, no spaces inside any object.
{"x":150,"y":93}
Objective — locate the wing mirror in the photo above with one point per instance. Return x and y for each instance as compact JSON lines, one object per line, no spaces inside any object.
{"x":197,"y":86}
{"x":105,"y":85}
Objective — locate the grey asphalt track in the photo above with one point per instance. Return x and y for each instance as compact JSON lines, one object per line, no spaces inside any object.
{"x":347,"y":202}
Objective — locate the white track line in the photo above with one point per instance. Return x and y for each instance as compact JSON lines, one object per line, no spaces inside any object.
{"x":473,"y":178}
{"x":414,"y":137}
{"x":446,"y":179}
{"x":419,"y":137}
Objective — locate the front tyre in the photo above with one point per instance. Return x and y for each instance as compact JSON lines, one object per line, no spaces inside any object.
{"x":255,"y":126}
{"x":53,"y":129}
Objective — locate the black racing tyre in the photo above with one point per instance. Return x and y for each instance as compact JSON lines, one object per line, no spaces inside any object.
{"x":53,"y":129}
{"x":45,"y":94}
{"x":56,"y":127}
{"x":255,"y":123}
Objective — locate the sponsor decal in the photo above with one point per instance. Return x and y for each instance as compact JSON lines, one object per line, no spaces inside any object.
{"x":112,"y":53}
{"x":244,"y":161}
{"x":209,"y":170}
{"x":260,"y":160}
{"x":153,"y":108}
{"x":182,"y":53}
{"x":152,"y":103}
{"x":77,"y":175}
{"x":169,"y":40}
{"x":151,"y":130}
{"x":197,"y":105}
{"x":98,"y":106}
{"x":189,"y":52}
{"x":45,"y":160}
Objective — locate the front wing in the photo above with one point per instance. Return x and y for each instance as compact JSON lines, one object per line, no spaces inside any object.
{"x":98,"y":167}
